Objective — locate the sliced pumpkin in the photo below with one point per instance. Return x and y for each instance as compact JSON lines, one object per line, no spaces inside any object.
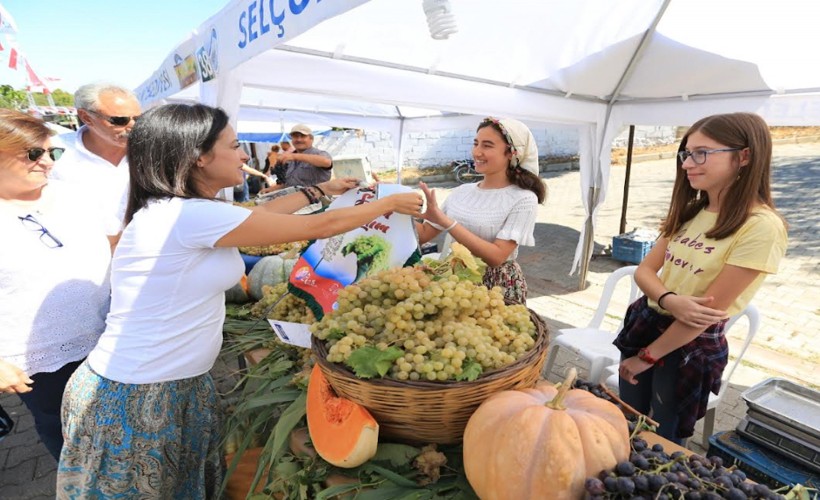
{"x":343,"y":432}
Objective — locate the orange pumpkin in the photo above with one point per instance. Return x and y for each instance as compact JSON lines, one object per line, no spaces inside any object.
{"x":542,"y":442}
{"x":240,"y":480}
{"x":343,"y":432}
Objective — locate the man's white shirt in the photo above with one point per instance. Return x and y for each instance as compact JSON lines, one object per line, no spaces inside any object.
{"x":94,"y":177}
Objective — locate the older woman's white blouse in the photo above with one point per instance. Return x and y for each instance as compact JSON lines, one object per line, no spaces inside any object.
{"x":507,"y":213}
{"x":53,"y":301}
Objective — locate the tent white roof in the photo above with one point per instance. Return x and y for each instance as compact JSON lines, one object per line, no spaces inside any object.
{"x":594,"y":63}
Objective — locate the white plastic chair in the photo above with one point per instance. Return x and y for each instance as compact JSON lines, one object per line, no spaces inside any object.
{"x":591,"y":342}
{"x":753,"y":317}
{"x":711,"y":407}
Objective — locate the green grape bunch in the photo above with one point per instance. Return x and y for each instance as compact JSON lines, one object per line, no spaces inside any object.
{"x":290,"y":308}
{"x":436,"y":328}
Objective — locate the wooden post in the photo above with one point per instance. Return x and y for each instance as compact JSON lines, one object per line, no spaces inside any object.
{"x":622,"y":228}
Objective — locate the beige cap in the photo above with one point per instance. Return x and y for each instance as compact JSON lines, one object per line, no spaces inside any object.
{"x":301,"y":129}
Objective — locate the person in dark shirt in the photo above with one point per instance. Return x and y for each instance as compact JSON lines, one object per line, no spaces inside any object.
{"x":307,"y":165}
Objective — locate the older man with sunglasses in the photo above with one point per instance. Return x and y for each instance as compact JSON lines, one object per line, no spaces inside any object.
{"x":95,"y":158}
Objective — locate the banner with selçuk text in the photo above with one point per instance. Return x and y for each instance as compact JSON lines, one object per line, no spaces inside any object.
{"x":241,"y":30}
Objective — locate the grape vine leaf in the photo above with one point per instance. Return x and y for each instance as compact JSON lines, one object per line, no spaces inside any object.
{"x":470,"y":370}
{"x":368,"y":362}
{"x":399,"y":455}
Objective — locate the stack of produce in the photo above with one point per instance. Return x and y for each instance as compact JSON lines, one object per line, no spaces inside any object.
{"x":432,"y":322}
{"x":279,"y":248}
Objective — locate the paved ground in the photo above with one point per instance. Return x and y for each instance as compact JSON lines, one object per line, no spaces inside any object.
{"x":786,"y":346}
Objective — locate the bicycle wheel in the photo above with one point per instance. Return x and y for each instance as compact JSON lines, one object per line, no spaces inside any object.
{"x":464,"y":174}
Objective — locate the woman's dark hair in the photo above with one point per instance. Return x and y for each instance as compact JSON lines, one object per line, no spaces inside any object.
{"x":517,"y":175}
{"x":752,"y":186}
{"x":163,"y":148}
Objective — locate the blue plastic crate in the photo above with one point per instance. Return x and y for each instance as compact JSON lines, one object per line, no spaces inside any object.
{"x":628,"y":249}
{"x":759,"y":463}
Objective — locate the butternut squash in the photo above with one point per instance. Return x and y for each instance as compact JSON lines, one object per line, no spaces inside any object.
{"x":343,"y":432}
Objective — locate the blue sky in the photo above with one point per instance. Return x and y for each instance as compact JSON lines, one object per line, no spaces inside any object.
{"x":81,"y":41}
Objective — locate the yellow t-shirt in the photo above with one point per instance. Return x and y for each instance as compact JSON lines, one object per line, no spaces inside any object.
{"x":693,"y":261}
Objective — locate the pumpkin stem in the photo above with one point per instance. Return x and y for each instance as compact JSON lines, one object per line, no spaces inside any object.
{"x":557,"y":402}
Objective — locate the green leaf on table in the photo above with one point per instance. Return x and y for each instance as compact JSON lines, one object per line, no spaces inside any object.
{"x":470,"y":370}
{"x":368,"y":362}
{"x":335,"y":334}
{"x":399,"y":455}
{"x":391,"y":476}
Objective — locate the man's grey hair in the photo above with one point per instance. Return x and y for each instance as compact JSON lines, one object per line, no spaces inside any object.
{"x":88,"y":96}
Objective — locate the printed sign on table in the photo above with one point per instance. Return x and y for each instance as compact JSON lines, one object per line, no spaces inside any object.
{"x":329,"y":265}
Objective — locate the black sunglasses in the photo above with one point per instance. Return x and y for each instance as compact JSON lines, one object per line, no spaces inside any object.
{"x":119,"y":121}
{"x":35,"y":154}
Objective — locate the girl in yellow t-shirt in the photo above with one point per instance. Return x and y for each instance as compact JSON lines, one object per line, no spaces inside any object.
{"x":720,"y":238}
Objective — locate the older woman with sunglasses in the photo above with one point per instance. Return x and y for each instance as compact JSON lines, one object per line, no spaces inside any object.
{"x":495,"y":216}
{"x":54,"y":288}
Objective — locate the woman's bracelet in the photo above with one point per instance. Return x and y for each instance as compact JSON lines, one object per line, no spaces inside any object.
{"x":320,"y":189}
{"x":661,"y":298}
{"x":309,"y":195}
{"x":439,"y":227}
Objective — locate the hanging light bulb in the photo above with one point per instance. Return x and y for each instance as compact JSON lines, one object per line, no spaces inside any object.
{"x":440,"y":18}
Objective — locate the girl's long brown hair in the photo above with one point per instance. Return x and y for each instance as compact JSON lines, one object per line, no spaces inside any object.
{"x":751,"y":188}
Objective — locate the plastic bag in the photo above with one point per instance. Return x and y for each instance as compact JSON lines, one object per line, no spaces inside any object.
{"x":6,"y":423}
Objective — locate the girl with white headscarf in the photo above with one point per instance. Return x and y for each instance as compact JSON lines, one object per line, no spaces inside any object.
{"x":493,"y":217}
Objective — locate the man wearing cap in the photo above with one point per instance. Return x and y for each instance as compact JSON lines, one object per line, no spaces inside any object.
{"x":306,"y":165}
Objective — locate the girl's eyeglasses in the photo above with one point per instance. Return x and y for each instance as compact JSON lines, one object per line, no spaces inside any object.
{"x":119,"y":121}
{"x":48,"y":239}
{"x":699,"y":155}
{"x":35,"y":154}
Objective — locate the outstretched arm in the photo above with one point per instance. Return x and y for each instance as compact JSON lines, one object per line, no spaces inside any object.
{"x":290,"y":203}
{"x":266,"y":227}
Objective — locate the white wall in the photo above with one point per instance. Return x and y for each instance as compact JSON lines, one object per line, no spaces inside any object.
{"x":647,"y":136}
{"x":438,"y":148}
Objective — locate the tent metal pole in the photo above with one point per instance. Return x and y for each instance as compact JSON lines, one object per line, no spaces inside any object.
{"x":400,"y":158}
{"x":598,"y":181}
{"x":630,"y":144}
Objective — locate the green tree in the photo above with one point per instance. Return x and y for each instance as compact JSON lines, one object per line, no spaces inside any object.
{"x":62,"y":98}
{"x":12,"y":99}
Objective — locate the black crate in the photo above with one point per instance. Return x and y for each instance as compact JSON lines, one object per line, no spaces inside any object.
{"x":759,"y":463}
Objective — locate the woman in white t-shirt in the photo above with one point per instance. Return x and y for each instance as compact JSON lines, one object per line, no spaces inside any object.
{"x":141,"y":414}
{"x":495,"y":216}
{"x":54,"y":259}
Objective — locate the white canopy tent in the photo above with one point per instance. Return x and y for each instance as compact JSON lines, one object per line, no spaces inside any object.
{"x":597,"y":64}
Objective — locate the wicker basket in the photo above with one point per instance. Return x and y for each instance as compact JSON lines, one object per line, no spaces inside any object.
{"x":432,"y":412}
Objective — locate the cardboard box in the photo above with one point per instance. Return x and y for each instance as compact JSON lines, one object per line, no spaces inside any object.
{"x":353,"y":166}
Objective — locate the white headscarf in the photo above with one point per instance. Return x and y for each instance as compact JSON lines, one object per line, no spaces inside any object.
{"x":522,"y":143}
